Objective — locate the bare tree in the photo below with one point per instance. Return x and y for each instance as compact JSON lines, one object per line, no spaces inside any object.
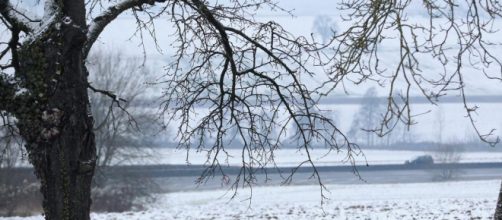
{"x":225,"y":60}
{"x":10,"y":147}
{"x":235,"y":66}
{"x":324,"y":27}
{"x":448,"y":155}
{"x":124,"y":133}
{"x":368,"y":118}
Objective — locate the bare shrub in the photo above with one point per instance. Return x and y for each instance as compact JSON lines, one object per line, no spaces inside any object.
{"x":19,"y":196}
{"x":123,"y":132}
{"x":448,"y":156}
{"x":121,"y":195}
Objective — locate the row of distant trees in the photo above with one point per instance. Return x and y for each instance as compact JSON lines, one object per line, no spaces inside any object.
{"x":365,"y":129}
{"x":368,"y":120}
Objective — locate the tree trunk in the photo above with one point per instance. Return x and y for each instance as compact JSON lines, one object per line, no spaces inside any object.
{"x":498,"y":209}
{"x":56,"y":122}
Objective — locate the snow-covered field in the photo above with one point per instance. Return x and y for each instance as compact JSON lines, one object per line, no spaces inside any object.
{"x":445,"y":200}
{"x":292,"y":157}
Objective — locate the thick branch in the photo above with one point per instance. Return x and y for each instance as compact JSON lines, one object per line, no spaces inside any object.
{"x":113,"y":96}
{"x":17,"y":18}
{"x":99,"y":23}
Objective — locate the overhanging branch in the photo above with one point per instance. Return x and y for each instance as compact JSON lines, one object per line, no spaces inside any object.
{"x":99,"y":23}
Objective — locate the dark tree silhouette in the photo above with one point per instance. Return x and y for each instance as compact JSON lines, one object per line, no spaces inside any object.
{"x":225,"y":60}
{"x":244,"y":72}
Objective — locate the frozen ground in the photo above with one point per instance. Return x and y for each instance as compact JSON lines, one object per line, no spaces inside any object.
{"x":446,"y":200}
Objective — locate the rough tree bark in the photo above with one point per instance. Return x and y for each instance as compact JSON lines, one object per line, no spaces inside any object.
{"x":48,"y":97}
{"x":498,"y":209}
{"x":57,"y":124}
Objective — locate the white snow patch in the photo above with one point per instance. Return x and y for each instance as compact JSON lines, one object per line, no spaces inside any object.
{"x":445,"y":200}
{"x":293,"y":157}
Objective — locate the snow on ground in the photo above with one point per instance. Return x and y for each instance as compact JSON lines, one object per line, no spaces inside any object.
{"x":445,"y":200}
{"x":292,"y":157}
{"x":386,"y":201}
